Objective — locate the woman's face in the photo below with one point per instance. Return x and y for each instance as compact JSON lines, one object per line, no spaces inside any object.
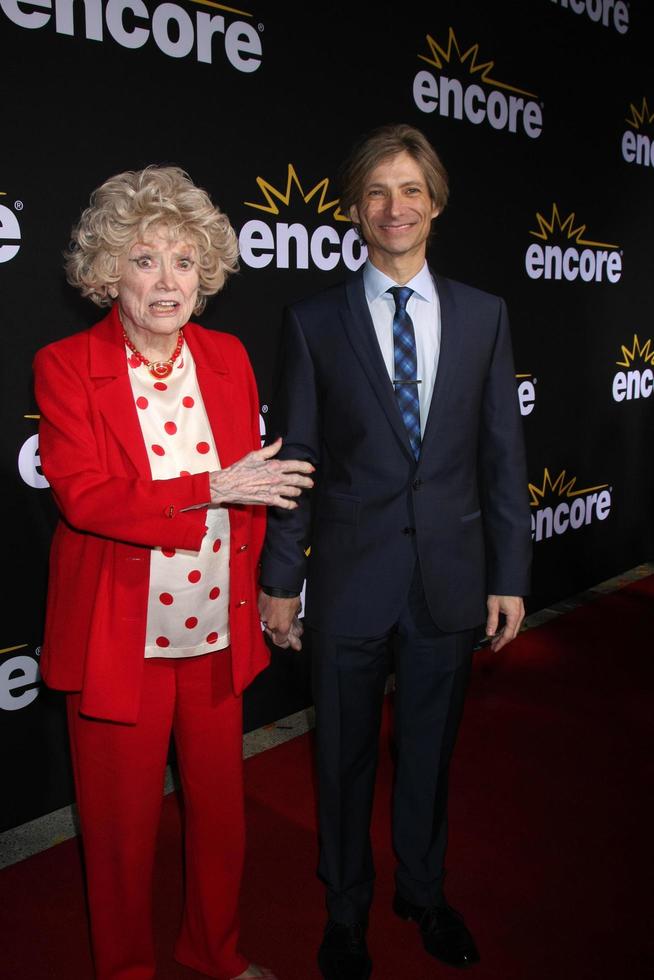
{"x":158,"y":288}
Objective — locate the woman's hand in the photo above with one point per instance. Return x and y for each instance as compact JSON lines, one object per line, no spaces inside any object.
{"x":259,"y":479}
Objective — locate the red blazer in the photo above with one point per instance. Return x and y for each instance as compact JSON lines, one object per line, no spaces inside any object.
{"x":113,"y":513}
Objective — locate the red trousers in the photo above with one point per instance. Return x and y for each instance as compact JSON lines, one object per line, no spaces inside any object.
{"x":119,"y":774}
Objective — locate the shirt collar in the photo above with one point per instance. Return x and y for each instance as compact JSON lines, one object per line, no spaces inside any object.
{"x":376,"y":283}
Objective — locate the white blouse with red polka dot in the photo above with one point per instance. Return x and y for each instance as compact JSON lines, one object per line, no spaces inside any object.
{"x":188,"y":605}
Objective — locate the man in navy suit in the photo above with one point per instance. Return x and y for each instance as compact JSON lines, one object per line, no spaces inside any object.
{"x":399,"y":387}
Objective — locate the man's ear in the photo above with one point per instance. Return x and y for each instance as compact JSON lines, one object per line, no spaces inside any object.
{"x":354,"y":215}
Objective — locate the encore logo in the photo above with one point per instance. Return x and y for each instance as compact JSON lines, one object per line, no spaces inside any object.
{"x":637,"y":381}
{"x":610,"y":13}
{"x":526,"y":393}
{"x":576,"y":258}
{"x":502,"y":106}
{"x":638,"y":147}
{"x":10,"y":237}
{"x":296,"y":245}
{"x":176,"y":32}
{"x":19,"y":677}
{"x":29,"y":463}
{"x":560,"y":507}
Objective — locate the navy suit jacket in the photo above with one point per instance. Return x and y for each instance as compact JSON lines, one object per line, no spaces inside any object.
{"x":461,"y":508}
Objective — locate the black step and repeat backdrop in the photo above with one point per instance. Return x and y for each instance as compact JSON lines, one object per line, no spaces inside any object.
{"x":543,"y":111}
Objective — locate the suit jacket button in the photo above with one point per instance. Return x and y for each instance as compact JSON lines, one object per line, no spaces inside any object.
{"x":243,"y":547}
{"x":169,"y":511}
{"x":410,"y":531}
{"x":417,"y":484}
{"x":243,"y":602}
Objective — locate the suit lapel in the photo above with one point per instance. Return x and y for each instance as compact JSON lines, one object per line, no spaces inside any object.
{"x":361,"y":334}
{"x":108,"y":369}
{"x":450,"y":349}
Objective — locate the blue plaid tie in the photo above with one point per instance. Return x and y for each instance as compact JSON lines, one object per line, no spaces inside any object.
{"x":406,"y":366}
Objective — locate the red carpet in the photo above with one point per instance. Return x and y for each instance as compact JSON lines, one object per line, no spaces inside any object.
{"x":551,"y":827}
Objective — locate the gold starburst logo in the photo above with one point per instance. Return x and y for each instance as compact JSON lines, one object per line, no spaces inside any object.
{"x":440,"y":56}
{"x":640,"y":117}
{"x":555,"y":225}
{"x":318,"y":194}
{"x":645,"y":351}
{"x":222,"y":6}
{"x":561,"y":486}
{"x":18,"y":646}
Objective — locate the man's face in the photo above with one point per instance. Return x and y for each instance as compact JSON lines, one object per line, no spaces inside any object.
{"x":396,"y":211}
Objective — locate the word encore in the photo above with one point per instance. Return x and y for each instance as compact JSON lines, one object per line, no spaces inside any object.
{"x":589,"y":265}
{"x":129,"y":22}
{"x":451,"y":98}
{"x":611,"y":13}
{"x":551,"y":521}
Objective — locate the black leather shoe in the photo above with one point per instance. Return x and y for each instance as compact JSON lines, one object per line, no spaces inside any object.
{"x":343,"y":954}
{"x":444,"y":933}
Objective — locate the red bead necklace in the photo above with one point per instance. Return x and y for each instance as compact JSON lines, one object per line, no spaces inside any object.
{"x":158,"y":369}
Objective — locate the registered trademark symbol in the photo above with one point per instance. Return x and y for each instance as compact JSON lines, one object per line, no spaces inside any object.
{"x":260,"y":28}
{"x":264,"y":409}
{"x":535,"y":380}
{"x":37,"y":652}
{"x":18,"y":205}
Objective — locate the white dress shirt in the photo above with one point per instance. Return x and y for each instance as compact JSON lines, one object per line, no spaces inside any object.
{"x":424,"y":309}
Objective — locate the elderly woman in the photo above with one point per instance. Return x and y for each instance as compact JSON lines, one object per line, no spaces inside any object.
{"x":150,"y":440}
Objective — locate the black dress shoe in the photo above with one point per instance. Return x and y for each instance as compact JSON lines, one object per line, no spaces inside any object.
{"x":343,"y":954}
{"x":444,"y":933}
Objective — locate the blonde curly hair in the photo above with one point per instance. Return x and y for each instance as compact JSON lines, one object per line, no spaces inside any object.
{"x":122,"y":211}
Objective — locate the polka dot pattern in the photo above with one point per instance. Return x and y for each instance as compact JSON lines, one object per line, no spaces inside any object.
{"x":188,"y":603}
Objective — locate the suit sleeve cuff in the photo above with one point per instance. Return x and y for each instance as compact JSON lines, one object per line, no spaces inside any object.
{"x":278,"y":593}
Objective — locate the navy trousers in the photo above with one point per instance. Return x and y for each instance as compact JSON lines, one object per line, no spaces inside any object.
{"x":349,"y":674}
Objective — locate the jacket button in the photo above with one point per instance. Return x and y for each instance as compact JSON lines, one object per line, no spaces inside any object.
{"x":169,"y":511}
{"x":417,"y":484}
{"x":243,"y":602}
{"x":243,"y":547}
{"x":410,"y":531}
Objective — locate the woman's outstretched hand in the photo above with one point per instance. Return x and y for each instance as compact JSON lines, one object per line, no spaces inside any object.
{"x":259,"y":479}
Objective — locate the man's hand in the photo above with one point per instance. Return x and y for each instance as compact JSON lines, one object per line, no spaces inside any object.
{"x":514,"y":610}
{"x":280,"y":622}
